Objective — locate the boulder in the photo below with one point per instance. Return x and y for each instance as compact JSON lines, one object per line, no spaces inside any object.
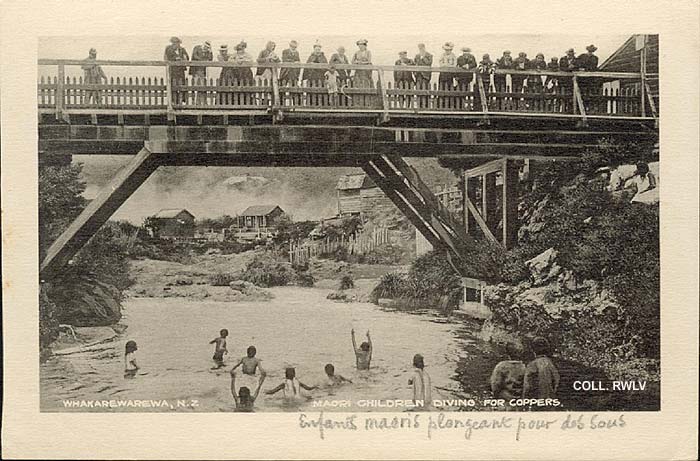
{"x":543,"y":267}
{"x":243,"y":286}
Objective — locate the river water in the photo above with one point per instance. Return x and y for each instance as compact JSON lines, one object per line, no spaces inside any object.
{"x":298,"y":328}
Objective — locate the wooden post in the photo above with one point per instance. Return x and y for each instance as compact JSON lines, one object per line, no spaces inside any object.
{"x":510,"y":204}
{"x":574,"y":95}
{"x":276,"y":94}
{"x":385,"y":101}
{"x":169,"y":93}
{"x":488,"y":198}
{"x":60,"y":90}
{"x":643,"y":72}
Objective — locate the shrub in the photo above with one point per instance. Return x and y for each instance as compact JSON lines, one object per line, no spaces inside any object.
{"x":347,"y":282}
{"x":305,"y":279}
{"x":221,"y":279}
{"x":266,"y":271}
{"x":392,"y":285}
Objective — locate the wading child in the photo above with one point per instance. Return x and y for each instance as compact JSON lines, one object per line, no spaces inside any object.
{"x":541,"y":375}
{"x":249,"y":366}
{"x":421,"y":383}
{"x":291,"y":386}
{"x":508,"y":376}
{"x":363,"y":355}
{"x":219,"y":349}
{"x":130,"y":365}
{"x":333,"y":379}
{"x":244,"y":401}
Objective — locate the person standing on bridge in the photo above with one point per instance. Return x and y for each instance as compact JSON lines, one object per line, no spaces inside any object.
{"x":199,"y":73}
{"x":534,"y":82}
{"x":362,"y":57}
{"x":588,"y":62}
{"x":176,"y":53}
{"x":93,"y":74}
{"x":341,"y":58}
{"x":315,"y":76}
{"x":403,"y":80}
{"x":567,"y":63}
{"x":520,"y":63}
{"x":447,"y":59}
{"x":505,"y":62}
{"x":266,"y":56}
{"x":466,"y":61}
{"x":226,"y":77}
{"x":424,"y":59}
{"x":290,"y":77}
{"x":243,"y":74}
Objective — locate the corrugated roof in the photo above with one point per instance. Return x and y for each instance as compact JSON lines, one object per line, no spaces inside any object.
{"x":171,"y":213}
{"x":354,"y":181}
{"x":259,"y":210}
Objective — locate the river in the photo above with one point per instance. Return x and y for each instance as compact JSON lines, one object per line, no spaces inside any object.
{"x":298,"y":328}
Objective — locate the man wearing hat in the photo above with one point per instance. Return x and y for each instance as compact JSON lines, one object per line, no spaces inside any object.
{"x":424,"y":59}
{"x":201,"y":53}
{"x":290,"y":77}
{"x":447,"y":59}
{"x":93,"y":74}
{"x":317,"y":57}
{"x":403,"y":80}
{"x":520,"y":63}
{"x":363,"y":57}
{"x":588,"y":61}
{"x":227,"y":75}
{"x":567,"y":63}
{"x":505,"y":62}
{"x":175,"y":53}
{"x":466,"y":61}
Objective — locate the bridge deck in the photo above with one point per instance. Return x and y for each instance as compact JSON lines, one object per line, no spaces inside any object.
{"x":151,"y":88}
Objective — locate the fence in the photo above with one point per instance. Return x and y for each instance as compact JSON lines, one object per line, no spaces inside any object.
{"x":361,"y":242}
{"x":503,"y":91}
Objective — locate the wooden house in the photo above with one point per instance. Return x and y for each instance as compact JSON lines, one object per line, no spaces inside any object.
{"x":173,"y":223}
{"x":260,"y":217}
{"x":357,"y":194}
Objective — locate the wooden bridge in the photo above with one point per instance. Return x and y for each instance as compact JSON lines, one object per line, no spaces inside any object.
{"x":500,"y":118}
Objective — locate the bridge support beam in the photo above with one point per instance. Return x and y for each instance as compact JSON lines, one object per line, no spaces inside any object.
{"x":401,"y":183}
{"x":98,"y":212}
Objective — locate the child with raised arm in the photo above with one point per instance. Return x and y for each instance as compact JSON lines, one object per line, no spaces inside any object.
{"x":244,"y":401}
{"x":219,"y":349}
{"x":333,"y":378}
{"x":250,"y":364}
{"x":291,"y":385}
{"x":363,"y":355}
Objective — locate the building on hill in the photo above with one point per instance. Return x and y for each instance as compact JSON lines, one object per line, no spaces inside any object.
{"x":358,"y":194}
{"x":172,"y":224}
{"x":257,"y":222}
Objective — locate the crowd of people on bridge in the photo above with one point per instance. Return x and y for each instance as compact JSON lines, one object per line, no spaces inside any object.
{"x":334,"y":78}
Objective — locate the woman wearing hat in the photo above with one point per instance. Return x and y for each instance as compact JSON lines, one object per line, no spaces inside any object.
{"x":315,"y":75}
{"x":363,"y":57}
{"x":227,"y":76}
{"x":266,"y":56}
{"x":199,"y":73}
{"x":243,"y":74}
{"x":534,"y":82}
{"x":340,"y":58}
{"x":447,"y":59}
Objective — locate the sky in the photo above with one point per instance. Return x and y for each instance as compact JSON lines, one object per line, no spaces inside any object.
{"x":200,"y":189}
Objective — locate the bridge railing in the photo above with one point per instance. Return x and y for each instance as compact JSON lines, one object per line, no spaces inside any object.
{"x":165,"y":87}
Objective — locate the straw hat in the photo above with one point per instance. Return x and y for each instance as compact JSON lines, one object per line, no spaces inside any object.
{"x":223,"y":48}
{"x":448,"y":46}
{"x":591,"y":48}
{"x":362,"y":41}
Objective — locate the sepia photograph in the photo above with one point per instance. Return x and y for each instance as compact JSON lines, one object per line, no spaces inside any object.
{"x":391,"y":229}
{"x":346,"y":223}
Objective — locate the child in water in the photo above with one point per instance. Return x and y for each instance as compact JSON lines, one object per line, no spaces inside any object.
{"x":334,"y":379}
{"x":420,"y":382}
{"x":244,"y":401}
{"x":249,"y":366}
{"x":363,"y":355}
{"x":291,"y":385}
{"x":130,"y":365}
{"x":219,"y":349}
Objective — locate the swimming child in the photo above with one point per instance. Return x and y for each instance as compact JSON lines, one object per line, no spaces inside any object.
{"x":130,"y":366}
{"x":244,"y":401}
{"x":334,"y":379}
{"x":291,"y":385}
{"x":220,"y":349}
{"x":249,"y":366}
{"x":363,"y":355}
{"x":421,"y":382}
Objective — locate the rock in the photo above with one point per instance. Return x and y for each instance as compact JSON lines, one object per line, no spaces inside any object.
{"x":543,"y":267}
{"x":341,"y":296}
{"x":243,"y":286}
{"x":183,"y":281}
{"x":567,"y":281}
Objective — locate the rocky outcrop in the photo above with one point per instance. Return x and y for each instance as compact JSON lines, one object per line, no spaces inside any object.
{"x":543,"y":267}
{"x":88,"y":302}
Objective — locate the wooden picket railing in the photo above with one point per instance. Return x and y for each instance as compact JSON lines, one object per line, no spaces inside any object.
{"x":359,"y":243}
{"x":573,"y":94}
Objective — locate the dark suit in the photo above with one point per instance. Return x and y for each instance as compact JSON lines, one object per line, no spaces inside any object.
{"x":290,"y":76}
